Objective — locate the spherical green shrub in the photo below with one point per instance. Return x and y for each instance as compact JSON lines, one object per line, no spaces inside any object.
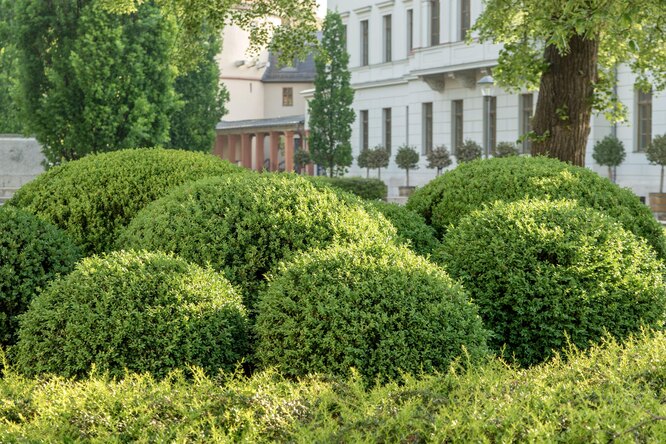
{"x":32,"y":253}
{"x":379,"y":308}
{"x":91,"y":198}
{"x":411,"y":227}
{"x":541,"y":270}
{"x":140,"y":311}
{"x":448,"y":198}
{"x":244,"y":225}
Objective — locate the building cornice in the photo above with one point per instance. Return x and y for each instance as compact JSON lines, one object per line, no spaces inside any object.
{"x":363,"y":11}
{"x":385,"y":4}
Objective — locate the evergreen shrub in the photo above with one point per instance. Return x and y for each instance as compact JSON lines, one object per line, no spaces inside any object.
{"x":370,"y":189}
{"x":140,"y":311}
{"x":541,"y":271}
{"x":32,"y":253}
{"x":378,"y":308}
{"x":244,"y":225}
{"x":91,"y":198}
{"x":411,"y":227}
{"x":453,"y":195}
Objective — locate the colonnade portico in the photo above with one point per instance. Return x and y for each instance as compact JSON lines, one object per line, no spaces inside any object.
{"x":245,"y":143}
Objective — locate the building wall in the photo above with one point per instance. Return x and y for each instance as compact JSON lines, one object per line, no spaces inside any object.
{"x":273,"y":99}
{"x":401,"y":85}
{"x":20,"y":161}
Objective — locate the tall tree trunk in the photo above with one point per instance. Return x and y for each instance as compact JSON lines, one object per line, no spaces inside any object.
{"x":562,"y":118}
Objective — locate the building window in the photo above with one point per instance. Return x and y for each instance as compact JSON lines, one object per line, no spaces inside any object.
{"x":387,"y":38}
{"x":465,"y":18}
{"x":490,"y":124}
{"x":434,"y":22}
{"x":427,"y":128}
{"x":410,"y":30}
{"x":344,"y":36}
{"x":364,"y":42}
{"x":287,"y":96}
{"x":386,"y":113}
{"x":526,"y":113}
{"x":456,"y":124}
{"x":644,"y":119}
{"x":364,"y":130}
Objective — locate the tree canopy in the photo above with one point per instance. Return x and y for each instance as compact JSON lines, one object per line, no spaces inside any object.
{"x":569,"y":50}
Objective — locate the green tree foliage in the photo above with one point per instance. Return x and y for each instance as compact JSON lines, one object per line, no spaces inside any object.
{"x":378,"y":158}
{"x":10,"y":121}
{"x":368,"y":189}
{"x":136,"y":311}
{"x":505,"y":149}
{"x":570,"y":50}
{"x":92,"y":81}
{"x":609,"y":151}
{"x":201,"y":102}
{"x":408,"y":159}
{"x":656,"y":154}
{"x":439,"y":158}
{"x":362,"y":161}
{"x":468,"y":151}
{"x":331,"y":114}
{"x":544,"y":272}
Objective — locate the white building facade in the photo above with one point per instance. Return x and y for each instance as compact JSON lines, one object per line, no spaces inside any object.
{"x":415,"y":82}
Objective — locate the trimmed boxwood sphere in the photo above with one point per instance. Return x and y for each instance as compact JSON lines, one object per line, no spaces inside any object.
{"x":32,"y":253}
{"x":541,"y":270}
{"x":140,"y":311}
{"x":411,"y":226}
{"x":91,"y":198}
{"x":453,"y":195}
{"x":379,"y":308}
{"x":244,"y":225}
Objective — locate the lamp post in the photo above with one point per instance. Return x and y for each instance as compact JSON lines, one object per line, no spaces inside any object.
{"x":487,"y":84}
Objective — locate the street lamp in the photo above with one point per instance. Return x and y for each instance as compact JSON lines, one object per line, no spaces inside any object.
{"x":487,"y":84}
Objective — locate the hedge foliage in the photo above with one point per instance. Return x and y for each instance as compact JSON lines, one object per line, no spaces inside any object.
{"x":32,"y":253}
{"x":613,"y":393}
{"x":448,"y":198}
{"x":375,"y":307}
{"x":542,"y":271}
{"x":370,"y":189}
{"x":244,"y":225}
{"x":141,"y":311}
{"x":411,"y":227}
{"x":91,"y":198}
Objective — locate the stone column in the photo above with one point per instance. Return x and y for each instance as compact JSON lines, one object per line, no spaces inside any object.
{"x":246,"y":150}
{"x":221,"y":144}
{"x":289,"y":151}
{"x":259,"y":150}
{"x":231,"y":148}
{"x":275,"y":144}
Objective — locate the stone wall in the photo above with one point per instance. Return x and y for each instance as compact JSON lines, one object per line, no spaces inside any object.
{"x":20,"y":162}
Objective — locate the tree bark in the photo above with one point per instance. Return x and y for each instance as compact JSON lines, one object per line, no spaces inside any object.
{"x":564,"y":108}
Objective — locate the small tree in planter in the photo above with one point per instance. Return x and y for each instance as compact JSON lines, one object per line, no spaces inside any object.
{"x":468,"y":151}
{"x":609,"y":151}
{"x":362,"y":161}
{"x":378,"y":158}
{"x":656,"y":154}
{"x":408,"y":159}
{"x":505,"y":149}
{"x":439,"y":158}
{"x":301,"y":159}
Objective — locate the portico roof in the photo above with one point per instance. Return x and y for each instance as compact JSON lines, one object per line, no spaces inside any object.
{"x":275,"y":123}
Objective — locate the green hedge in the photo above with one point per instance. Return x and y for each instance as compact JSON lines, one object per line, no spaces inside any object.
{"x":448,"y":198}
{"x":32,"y":253}
{"x":140,"y":311}
{"x":544,"y":272}
{"x":244,"y":225}
{"x":375,"y":307}
{"x":91,"y":198}
{"x":614,"y":393}
{"x":370,"y":189}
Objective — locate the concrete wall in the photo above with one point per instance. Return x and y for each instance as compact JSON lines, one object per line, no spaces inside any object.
{"x":20,"y":162}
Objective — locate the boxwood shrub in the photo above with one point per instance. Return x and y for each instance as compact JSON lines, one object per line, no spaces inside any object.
{"x":541,"y":271}
{"x":379,"y":308}
{"x":91,"y":198}
{"x":370,"y":189}
{"x":448,"y":198}
{"x":411,"y":227}
{"x":140,"y":311}
{"x":244,"y":225}
{"x":32,"y":253}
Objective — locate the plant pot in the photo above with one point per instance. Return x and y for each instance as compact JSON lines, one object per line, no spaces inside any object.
{"x":407,"y":191}
{"x":657,"y":203}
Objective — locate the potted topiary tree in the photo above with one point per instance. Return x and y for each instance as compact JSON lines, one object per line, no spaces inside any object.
{"x":656,"y":155}
{"x":301,"y":160}
{"x":378,"y":158}
{"x":609,"y":151}
{"x":468,"y":151}
{"x":439,"y":158}
{"x":408,"y":159}
{"x":362,"y":161}
{"x":505,"y":149}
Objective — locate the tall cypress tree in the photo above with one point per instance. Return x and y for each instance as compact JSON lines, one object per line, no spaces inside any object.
{"x":331,"y":115}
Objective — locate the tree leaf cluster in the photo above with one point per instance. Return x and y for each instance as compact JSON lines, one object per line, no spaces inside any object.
{"x":439,"y":158}
{"x":609,"y":151}
{"x":407,"y":157}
